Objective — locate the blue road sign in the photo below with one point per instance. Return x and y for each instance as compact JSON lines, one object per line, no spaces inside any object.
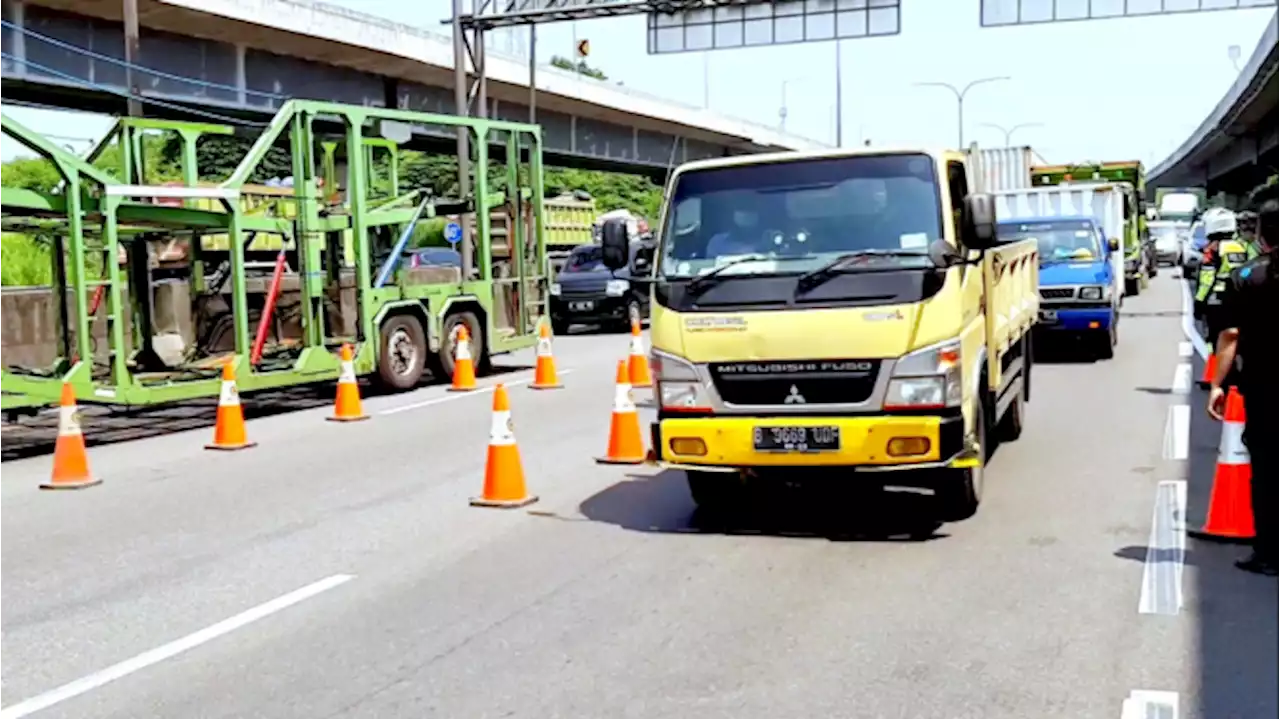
{"x":453,"y":233}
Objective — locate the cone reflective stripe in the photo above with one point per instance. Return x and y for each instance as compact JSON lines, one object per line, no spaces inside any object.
{"x":70,"y":460}
{"x":503,"y":473}
{"x":626,"y":444}
{"x":544,"y":372}
{"x":464,"y":368}
{"x":1230,"y":514}
{"x":638,"y":362}
{"x":347,"y":406}
{"x":229,"y":431}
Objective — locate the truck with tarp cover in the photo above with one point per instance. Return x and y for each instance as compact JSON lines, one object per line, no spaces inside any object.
{"x":1130,"y":175}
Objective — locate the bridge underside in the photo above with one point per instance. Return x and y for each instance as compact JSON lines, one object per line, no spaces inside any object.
{"x":85,"y":73}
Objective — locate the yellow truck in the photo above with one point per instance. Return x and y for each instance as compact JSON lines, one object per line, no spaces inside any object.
{"x":836,"y":312}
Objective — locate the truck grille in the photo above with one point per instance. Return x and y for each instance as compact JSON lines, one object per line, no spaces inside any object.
{"x":1058,"y":293}
{"x":796,"y":382}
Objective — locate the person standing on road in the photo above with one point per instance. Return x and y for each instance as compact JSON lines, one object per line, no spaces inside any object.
{"x":1224,"y":254}
{"x":1250,"y":313}
{"x":1247,"y":231}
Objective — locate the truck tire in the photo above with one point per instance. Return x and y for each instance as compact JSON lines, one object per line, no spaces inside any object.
{"x":714,"y":491}
{"x":442,"y":360}
{"x":1107,"y":342}
{"x":1028,"y":361}
{"x":1011,"y":422}
{"x":402,"y":352}
{"x":1131,"y":287}
{"x":958,"y":492}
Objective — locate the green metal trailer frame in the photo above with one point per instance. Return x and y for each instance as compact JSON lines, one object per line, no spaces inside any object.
{"x":93,"y":211}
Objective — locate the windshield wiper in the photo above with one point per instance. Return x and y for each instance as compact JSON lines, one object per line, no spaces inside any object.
{"x":818,"y":276}
{"x":702,"y":282}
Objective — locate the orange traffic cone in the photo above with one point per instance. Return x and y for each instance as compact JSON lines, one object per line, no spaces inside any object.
{"x":346,"y":407}
{"x":638,"y":362}
{"x":229,"y":430}
{"x":503,"y":473}
{"x":70,"y":461}
{"x":626,"y":445}
{"x":1230,"y":504}
{"x":1210,"y":367}
{"x":544,"y":372}
{"x":464,"y":368}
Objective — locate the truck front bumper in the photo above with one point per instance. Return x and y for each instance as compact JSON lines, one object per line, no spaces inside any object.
{"x":1081,"y":319}
{"x":864,"y":442}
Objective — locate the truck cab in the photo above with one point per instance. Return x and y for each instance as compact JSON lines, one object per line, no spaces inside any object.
{"x":1077,"y":278}
{"x":841,"y":314}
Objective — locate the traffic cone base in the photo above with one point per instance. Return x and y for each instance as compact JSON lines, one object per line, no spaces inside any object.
{"x":544,"y":372}
{"x":626,"y":443}
{"x":504,"y":486}
{"x":346,"y":406}
{"x":70,"y":460}
{"x":1230,"y":516}
{"x":229,"y":432}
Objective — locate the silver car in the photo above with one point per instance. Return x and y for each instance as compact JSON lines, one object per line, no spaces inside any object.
{"x":1169,"y":238}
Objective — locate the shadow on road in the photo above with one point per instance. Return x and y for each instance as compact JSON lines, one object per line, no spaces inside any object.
{"x":661,"y":503}
{"x":102,"y":424}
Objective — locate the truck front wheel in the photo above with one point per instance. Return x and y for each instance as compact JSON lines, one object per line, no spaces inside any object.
{"x":958,"y":492}
{"x":1106,"y":342}
{"x":714,"y":491}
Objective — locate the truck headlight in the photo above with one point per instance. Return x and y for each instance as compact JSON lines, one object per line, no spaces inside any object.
{"x":1091,"y":293}
{"x":617,"y":288}
{"x":928,"y":378}
{"x":555,"y":289}
{"x":678,"y":386}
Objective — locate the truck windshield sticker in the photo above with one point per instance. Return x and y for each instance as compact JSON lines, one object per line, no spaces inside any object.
{"x":913,"y":241}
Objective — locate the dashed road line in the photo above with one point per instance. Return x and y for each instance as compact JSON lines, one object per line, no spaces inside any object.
{"x":1181,"y":378}
{"x":1177,"y":432}
{"x":453,"y":397}
{"x":1147,"y":704}
{"x":172,"y":649}
{"x":1166,"y":550}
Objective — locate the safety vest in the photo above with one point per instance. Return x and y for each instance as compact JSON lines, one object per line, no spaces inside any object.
{"x":1231,"y":254}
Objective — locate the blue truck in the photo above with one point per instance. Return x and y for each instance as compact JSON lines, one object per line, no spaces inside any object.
{"x":1078,"y":281}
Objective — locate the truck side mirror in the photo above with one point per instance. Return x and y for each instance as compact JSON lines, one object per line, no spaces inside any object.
{"x":640,"y":265}
{"x":978,"y":221}
{"x":614,"y":243}
{"x":1113,"y":245}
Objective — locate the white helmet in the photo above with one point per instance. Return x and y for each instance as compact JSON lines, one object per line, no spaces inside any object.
{"x":1220,"y":223}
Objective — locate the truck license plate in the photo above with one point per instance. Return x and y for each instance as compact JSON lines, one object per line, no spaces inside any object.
{"x":581,"y":306}
{"x":797,"y":439}
{"x":1049,"y":316}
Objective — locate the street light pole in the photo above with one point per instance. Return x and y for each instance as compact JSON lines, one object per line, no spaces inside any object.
{"x":960,"y":95}
{"x":1008,"y":132}
{"x":839,"y":100}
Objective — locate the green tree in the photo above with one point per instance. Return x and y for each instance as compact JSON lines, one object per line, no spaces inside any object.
{"x":581,"y":67}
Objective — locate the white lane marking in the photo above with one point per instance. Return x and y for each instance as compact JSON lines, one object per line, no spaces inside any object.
{"x":452,"y":397}
{"x":1177,"y":432}
{"x":1166,"y":550}
{"x":170,"y":650}
{"x":1147,"y":704}
{"x":1185,"y":349}
{"x":1189,"y":324}
{"x":1181,"y":378}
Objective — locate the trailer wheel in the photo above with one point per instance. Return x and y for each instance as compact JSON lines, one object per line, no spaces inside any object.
{"x":442,"y":361}
{"x":402,"y":358}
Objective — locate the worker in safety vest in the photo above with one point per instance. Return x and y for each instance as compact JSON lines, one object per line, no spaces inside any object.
{"x":1246,"y":230}
{"x":1224,"y":253}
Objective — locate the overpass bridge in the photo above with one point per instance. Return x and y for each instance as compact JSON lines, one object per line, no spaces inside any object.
{"x":245,"y":58}
{"x":1235,"y":148}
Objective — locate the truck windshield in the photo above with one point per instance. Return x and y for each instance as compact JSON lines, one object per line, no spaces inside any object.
{"x":1061,"y":241}
{"x":795,"y":216}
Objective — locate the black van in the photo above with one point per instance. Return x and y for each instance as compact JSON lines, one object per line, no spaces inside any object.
{"x":585,"y":292}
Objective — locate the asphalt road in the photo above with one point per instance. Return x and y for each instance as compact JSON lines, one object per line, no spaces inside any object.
{"x":338,"y":571}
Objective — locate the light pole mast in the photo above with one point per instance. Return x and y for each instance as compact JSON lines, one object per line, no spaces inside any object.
{"x":960,"y":95}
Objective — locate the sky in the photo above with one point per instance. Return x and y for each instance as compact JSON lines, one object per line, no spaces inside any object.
{"x":1113,"y":89}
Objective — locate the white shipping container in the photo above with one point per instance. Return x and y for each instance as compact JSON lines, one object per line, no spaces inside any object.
{"x":1103,"y":202}
{"x":1000,"y":168}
